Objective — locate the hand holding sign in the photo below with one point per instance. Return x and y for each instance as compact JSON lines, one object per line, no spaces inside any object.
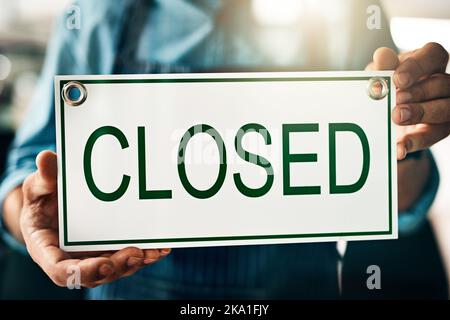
{"x":39,"y":225}
{"x":423,"y":97}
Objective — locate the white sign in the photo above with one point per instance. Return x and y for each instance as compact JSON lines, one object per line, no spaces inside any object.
{"x":186,"y":160}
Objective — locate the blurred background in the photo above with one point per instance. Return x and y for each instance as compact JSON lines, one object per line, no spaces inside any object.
{"x":25,"y":27}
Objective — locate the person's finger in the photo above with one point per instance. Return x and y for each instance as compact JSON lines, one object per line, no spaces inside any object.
{"x":165,"y":252}
{"x":435,"y":87}
{"x":126,"y":259}
{"x":91,"y":271}
{"x":46,"y":163}
{"x":370,"y":67}
{"x":129,"y":260}
{"x":402,"y":56}
{"x":432,"y":112}
{"x":384,"y":59}
{"x":44,"y":180}
{"x":421,"y":138}
{"x":431,"y":58}
{"x":153,"y":255}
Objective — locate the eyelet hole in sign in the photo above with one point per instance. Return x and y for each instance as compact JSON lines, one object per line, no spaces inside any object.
{"x":377,"y":88}
{"x":74,"y":93}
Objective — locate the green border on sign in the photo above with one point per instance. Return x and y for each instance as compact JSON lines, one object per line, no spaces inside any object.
{"x":220,"y":238}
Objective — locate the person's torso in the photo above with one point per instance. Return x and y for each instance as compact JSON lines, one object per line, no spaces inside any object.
{"x":187,"y":36}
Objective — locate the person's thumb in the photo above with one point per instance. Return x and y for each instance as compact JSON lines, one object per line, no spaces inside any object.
{"x":385,"y":59}
{"x":44,"y":180}
{"x":46,"y":163}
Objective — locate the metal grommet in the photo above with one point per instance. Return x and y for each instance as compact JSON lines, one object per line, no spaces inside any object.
{"x":74,"y":93}
{"x":377,"y":88}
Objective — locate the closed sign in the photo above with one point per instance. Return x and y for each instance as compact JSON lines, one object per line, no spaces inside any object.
{"x":158,"y":161}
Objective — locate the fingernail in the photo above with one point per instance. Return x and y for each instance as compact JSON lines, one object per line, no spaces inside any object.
{"x":403,"y":79}
{"x":403,"y":97}
{"x":134,"y":261}
{"x":405,"y":115}
{"x":165,"y":251}
{"x":105,"y":270}
{"x":149,"y":261}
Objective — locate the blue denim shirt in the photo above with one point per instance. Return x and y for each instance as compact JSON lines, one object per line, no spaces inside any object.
{"x":189,"y":36}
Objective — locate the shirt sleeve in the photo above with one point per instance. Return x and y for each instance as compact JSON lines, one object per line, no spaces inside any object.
{"x":70,"y":51}
{"x":412,"y":219}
